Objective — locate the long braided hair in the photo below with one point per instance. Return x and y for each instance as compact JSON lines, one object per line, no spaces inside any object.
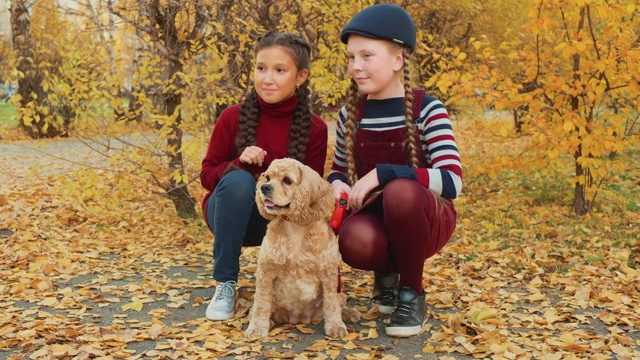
{"x":299,"y":50}
{"x":352,"y":108}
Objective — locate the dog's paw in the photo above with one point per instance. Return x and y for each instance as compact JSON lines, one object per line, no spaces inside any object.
{"x":350,"y":315}
{"x":256,"y":332}
{"x":336,"y":331}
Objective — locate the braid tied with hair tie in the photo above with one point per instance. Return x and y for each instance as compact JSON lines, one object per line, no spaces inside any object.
{"x":248,"y":121}
{"x":352,"y":108}
{"x":301,"y":124}
{"x":410,"y":141}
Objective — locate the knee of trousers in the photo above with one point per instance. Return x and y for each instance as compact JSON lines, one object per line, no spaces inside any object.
{"x":238,"y":184}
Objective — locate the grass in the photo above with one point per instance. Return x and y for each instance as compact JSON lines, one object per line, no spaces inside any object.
{"x":527,"y":216}
{"x":7,"y":114}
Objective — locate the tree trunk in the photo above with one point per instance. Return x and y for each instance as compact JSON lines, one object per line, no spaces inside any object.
{"x":178,"y":192}
{"x":20,"y":25}
{"x":133,"y":112}
{"x":164,"y":35}
{"x":170,"y":102}
{"x":581,"y":205}
{"x":516,"y":121}
{"x":29,"y":83}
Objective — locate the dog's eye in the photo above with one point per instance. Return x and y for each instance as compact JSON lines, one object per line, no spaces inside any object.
{"x":287,"y":181}
{"x":267,"y":177}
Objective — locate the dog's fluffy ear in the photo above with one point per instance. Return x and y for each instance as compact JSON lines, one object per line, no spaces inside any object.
{"x":259,"y":202}
{"x":314,"y":199}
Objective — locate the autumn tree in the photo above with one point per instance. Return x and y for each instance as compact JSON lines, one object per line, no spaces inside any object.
{"x":174,"y":31}
{"x":20,"y":28}
{"x":589,"y":81}
{"x":578,"y":82}
{"x":55,"y":76}
{"x":445,"y":28}
{"x":93,"y":17}
{"x":7,"y":63}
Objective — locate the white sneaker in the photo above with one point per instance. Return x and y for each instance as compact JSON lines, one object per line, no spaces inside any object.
{"x":223,"y":303}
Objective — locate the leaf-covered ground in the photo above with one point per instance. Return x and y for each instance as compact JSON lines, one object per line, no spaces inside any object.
{"x":94,"y":266}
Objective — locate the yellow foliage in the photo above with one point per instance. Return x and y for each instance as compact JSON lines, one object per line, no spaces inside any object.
{"x":542,"y":60}
{"x":565,"y":78}
{"x":135,"y":305}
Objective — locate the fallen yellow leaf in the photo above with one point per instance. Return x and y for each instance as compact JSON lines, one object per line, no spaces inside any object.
{"x":134,"y":305}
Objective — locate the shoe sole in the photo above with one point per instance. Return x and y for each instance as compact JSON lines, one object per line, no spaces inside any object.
{"x":218,"y":316}
{"x":400,"y":331}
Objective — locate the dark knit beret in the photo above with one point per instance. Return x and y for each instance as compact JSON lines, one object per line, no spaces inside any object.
{"x":383,"y":21}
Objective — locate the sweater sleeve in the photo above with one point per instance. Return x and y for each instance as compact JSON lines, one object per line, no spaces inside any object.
{"x":444,"y":176}
{"x":222,"y":150}
{"x":440,"y":181}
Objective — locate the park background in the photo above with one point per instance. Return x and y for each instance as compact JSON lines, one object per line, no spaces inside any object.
{"x":107,"y":107}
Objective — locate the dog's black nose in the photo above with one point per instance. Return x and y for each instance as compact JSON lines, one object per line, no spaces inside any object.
{"x":266,"y":189}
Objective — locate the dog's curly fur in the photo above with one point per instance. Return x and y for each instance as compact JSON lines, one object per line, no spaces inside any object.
{"x":297,"y":276}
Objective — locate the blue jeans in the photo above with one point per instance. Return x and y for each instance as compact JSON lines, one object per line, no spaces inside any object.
{"x":234,"y":220}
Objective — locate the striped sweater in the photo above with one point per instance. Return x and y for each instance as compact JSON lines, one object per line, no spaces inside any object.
{"x":443,"y":172}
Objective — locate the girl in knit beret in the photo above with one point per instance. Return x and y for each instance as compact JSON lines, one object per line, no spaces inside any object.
{"x":397,"y":160}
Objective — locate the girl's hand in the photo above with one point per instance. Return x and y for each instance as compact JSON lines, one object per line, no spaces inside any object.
{"x":362,"y":188}
{"x":338,"y":188}
{"x":253,"y":155}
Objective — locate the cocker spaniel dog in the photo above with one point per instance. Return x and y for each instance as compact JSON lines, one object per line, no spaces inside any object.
{"x":297,"y":278}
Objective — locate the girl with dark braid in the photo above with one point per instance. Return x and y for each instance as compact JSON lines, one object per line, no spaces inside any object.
{"x":273,"y":122}
{"x":397,"y":160}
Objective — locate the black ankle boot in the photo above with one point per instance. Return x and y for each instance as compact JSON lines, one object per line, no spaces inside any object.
{"x":409,"y":315}
{"x":385,"y":291}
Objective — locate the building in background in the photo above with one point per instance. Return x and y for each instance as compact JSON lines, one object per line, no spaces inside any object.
{"x":5,"y":19}
{"x":5,"y":15}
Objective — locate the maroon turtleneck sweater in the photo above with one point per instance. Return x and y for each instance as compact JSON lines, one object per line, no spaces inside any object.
{"x":272,"y":136}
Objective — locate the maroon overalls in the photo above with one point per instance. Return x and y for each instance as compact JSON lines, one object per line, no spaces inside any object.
{"x":402,"y":225}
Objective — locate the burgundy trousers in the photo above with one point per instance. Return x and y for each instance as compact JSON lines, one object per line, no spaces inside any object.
{"x":397,"y":230}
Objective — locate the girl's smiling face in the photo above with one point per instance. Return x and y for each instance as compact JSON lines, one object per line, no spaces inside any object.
{"x":375,"y":66}
{"x":276,"y":75}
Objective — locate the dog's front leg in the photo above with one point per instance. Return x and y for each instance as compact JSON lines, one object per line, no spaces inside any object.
{"x":331,"y":308}
{"x":261,"y":311}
